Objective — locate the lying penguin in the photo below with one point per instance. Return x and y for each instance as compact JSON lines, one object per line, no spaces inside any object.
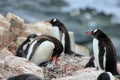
{"x":104,"y":52}
{"x":42,"y":49}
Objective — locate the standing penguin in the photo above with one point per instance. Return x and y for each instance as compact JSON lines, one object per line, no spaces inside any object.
{"x":44,"y":48}
{"x":21,"y":50}
{"x":105,"y":76}
{"x":104,"y":52}
{"x":63,"y":35}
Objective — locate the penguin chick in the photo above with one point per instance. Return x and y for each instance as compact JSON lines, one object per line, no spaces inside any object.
{"x":105,"y":76}
{"x":104,"y":52}
{"x":25,"y":77}
{"x":21,"y":49}
{"x":44,"y":48}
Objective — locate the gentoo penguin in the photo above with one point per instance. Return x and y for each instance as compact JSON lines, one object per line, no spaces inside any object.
{"x":25,"y":77}
{"x":21,"y":49}
{"x":44,"y":48}
{"x":104,"y":52}
{"x":63,"y":34}
{"x":105,"y":76}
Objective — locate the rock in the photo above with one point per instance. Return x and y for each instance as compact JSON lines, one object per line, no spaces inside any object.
{"x":37,"y":28}
{"x":15,"y":21}
{"x":81,"y":50}
{"x":2,"y":77}
{"x":4,"y":24}
{"x":16,"y":26}
{"x":85,"y":74}
{"x":11,"y":65}
{"x":4,"y":28}
{"x":20,"y":40}
{"x":66,"y":66}
{"x":72,"y":40}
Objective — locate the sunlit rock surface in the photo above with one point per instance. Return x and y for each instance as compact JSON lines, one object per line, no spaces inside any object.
{"x":11,"y":65}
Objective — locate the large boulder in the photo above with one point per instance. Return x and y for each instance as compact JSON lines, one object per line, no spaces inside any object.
{"x":37,"y":28}
{"x":84,"y":74}
{"x":15,"y":20}
{"x":11,"y":65}
{"x":4,"y":24}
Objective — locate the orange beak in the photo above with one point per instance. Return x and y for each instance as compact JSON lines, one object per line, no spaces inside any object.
{"x":89,"y":33}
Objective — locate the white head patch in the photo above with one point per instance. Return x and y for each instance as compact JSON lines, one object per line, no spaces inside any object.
{"x":111,"y":76}
{"x":95,"y":30}
{"x":54,"y":20}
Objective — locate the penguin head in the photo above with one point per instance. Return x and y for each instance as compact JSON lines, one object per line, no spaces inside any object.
{"x":96,"y":33}
{"x":31,"y":37}
{"x":106,"y":76}
{"x":55,"y":22}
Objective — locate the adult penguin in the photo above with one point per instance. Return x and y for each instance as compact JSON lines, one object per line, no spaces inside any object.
{"x":63,"y":34}
{"x":21,"y":49}
{"x":44,"y":48}
{"x":104,"y":52}
{"x":25,"y":77}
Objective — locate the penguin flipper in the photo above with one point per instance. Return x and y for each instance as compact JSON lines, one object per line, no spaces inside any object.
{"x":90,"y":62}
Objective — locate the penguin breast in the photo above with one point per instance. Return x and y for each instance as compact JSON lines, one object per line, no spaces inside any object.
{"x":96,"y":52}
{"x":43,"y":52}
{"x":56,"y":32}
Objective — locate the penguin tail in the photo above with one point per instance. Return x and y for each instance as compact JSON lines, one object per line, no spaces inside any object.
{"x":90,"y":62}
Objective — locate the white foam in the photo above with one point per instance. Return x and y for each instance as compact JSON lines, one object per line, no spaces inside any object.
{"x":109,"y":7}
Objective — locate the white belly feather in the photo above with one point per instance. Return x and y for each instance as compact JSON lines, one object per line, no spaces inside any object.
{"x":104,"y":59}
{"x":96,"y":52}
{"x":43,"y":52}
{"x":56,"y":32}
{"x":31,"y":49}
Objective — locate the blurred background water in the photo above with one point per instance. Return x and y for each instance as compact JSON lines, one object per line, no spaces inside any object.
{"x":78,"y":16}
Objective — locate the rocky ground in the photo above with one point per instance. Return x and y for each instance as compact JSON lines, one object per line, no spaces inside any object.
{"x":14,"y":30}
